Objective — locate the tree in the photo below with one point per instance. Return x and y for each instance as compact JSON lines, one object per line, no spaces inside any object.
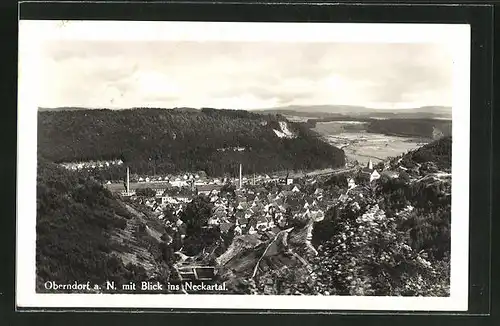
{"x":197,"y":213}
{"x":339,"y":180}
{"x":229,"y":189}
{"x":198,"y":235}
{"x":169,"y":215}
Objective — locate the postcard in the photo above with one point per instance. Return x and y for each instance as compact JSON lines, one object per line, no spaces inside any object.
{"x":243,"y":166}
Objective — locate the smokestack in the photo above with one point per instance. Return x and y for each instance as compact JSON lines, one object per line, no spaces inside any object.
{"x":128,"y":181}
{"x":241,"y":171}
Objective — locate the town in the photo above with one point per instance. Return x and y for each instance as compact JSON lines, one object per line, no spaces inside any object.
{"x":256,"y":204}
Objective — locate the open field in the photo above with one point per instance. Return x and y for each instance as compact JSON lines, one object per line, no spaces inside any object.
{"x":362,"y":146}
{"x":377,"y":147}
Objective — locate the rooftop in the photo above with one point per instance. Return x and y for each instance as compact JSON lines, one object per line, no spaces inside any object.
{"x":208,"y":187}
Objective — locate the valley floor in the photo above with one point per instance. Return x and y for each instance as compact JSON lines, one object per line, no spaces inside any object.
{"x":362,"y":146}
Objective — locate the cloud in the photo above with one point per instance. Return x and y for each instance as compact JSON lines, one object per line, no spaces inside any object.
{"x":243,"y":74}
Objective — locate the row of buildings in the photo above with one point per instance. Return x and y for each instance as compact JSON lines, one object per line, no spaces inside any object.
{"x":251,"y":209}
{"x":190,"y":182}
{"x":91,"y":164}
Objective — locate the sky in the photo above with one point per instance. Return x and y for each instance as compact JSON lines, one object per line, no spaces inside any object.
{"x":243,"y":75}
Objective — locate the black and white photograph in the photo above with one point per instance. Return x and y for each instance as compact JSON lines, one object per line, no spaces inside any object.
{"x":243,"y":165}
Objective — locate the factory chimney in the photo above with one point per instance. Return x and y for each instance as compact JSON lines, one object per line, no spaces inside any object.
{"x":128,"y":181}
{"x":241,"y":171}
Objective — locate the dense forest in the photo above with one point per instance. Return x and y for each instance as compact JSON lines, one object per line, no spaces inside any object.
{"x":169,"y":141}
{"x":430,"y":157}
{"x":410,"y":127}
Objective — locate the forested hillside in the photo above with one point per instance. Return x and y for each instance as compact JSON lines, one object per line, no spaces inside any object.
{"x":78,"y":228}
{"x":405,"y":127}
{"x":410,"y":127}
{"x":436,"y":155}
{"x":182,"y":140}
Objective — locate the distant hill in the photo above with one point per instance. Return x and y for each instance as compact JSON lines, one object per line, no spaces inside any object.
{"x":169,"y":141}
{"x":318,"y":111}
{"x":62,"y":108}
{"x":325,"y":111}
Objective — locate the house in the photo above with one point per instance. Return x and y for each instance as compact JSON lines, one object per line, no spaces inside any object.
{"x":243,"y":205}
{"x":318,"y":191}
{"x":183,"y":198}
{"x":374,"y":175}
{"x":158,"y":209}
{"x":249,"y":212}
{"x":210,"y":189}
{"x":242,"y":222}
{"x":264,"y":221}
{"x":214,"y":221}
{"x":317,"y":215}
{"x":343,"y":197}
{"x":179,"y":183}
{"x":368,"y":173}
{"x":295,"y":189}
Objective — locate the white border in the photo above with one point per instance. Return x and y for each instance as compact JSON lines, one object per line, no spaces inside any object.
{"x":32,"y":33}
